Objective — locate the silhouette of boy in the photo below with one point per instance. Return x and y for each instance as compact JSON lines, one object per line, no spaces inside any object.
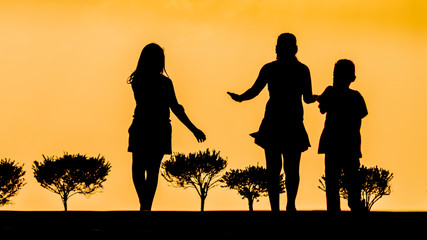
{"x":340,"y":140}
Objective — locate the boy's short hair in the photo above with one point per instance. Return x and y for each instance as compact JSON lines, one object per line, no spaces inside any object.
{"x":344,"y":70}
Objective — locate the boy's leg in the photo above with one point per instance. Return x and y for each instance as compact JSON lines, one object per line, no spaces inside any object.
{"x":332,"y":174}
{"x":274,"y":166}
{"x":291,"y":163}
{"x":352,"y":181}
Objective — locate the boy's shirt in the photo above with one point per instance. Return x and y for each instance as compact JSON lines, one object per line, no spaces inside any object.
{"x":344,"y":110}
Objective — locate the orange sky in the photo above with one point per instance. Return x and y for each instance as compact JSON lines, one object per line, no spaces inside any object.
{"x":63,"y":87}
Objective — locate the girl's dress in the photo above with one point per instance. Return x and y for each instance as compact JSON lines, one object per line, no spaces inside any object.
{"x":151,"y":129}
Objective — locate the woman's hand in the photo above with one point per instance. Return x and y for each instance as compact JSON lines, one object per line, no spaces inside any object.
{"x":200,"y":136}
{"x":315,"y":97}
{"x":235,"y":97}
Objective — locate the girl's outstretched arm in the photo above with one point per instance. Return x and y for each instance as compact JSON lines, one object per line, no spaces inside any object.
{"x":179,"y":112}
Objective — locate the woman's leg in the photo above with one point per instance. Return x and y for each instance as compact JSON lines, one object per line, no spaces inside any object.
{"x":145,"y":172}
{"x":274,"y":166}
{"x":291,"y":163}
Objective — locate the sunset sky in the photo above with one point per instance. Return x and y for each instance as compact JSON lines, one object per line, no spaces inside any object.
{"x":64,"y":65}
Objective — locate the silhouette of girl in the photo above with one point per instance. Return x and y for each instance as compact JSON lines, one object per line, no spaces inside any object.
{"x":150,"y":133}
{"x":282,"y":131}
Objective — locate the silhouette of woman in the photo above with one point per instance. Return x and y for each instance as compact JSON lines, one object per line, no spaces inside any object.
{"x":150,"y":133}
{"x":282,"y":130}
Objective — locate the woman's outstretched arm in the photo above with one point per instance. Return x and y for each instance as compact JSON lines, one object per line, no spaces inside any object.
{"x":253,"y":91}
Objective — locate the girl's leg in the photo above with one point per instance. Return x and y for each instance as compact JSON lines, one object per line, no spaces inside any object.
{"x":138,"y":175}
{"x":291,"y":163}
{"x":151,"y":181}
{"x":145,"y":170}
{"x":274,"y":166}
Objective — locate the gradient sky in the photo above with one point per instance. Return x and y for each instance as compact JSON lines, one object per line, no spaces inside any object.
{"x":64,"y":66}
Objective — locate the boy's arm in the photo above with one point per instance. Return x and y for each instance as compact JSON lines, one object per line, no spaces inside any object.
{"x":363,"y":108}
{"x":323,"y":100}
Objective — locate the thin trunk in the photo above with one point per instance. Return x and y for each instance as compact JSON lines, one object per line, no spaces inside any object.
{"x":251,"y":204}
{"x":64,"y":202}
{"x":202,"y":207}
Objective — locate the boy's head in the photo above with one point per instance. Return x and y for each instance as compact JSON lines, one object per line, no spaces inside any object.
{"x":344,"y":73}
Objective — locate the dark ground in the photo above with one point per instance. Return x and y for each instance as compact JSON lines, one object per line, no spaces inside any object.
{"x":214,"y":224}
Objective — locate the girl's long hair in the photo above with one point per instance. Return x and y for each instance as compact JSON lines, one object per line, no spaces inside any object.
{"x":151,"y":62}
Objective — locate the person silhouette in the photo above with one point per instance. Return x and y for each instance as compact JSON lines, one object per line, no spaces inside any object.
{"x":340,"y":140}
{"x":282,"y":131}
{"x":150,"y":132}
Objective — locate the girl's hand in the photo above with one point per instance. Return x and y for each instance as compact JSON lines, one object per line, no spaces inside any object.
{"x":200,"y":136}
{"x":235,"y":97}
